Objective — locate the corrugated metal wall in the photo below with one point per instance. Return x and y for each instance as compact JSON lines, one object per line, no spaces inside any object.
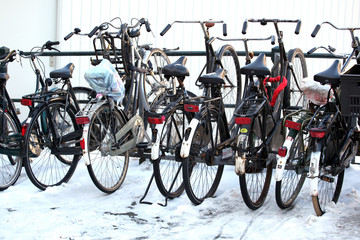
{"x":88,"y":13}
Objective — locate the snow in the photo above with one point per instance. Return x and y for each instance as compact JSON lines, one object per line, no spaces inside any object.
{"x":78,"y":210}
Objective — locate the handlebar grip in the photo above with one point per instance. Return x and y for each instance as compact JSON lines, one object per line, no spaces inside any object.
{"x":147,"y":25}
{"x":224,"y":29}
{"x":272,"y":40}
{"x":298,"y":26}
{"x":316,"y":30}
{"x":244,"y":27}
{"x":49,"y":44}
{"x":165,"y":30}
{"x":68,"y":36}
{"x":311,"y":50}
{"x":93,"y":31}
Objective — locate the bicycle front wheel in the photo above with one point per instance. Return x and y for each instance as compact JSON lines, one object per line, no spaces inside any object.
{"x":201,"y":177}
{"x":232,"y":89}
{"x":10,"y":166}
{"x":44,"y":163}
{"x":107,"y":171}
{"x":296,"y":72}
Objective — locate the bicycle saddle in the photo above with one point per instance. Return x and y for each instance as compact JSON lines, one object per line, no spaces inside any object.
{"x":330,"y":75}
{"x":64,"y":73}
{"x":3,"y":78}
{"x":258,"y":67}
{"x":177,"y":68}
{"x":213,"y":78}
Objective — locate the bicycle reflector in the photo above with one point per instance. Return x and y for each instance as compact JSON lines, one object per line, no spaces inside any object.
{"x":293,"y":125}
{"x":23,"y":129}
{"x":282,"y":151}
{"x":82,"y":120}
{"x":191,"y":108}
{"x":317,"y":133}
{"x":242,"y":120}
{"x":26,"y":102}
{"x":156,"y":120}
{"x":82,"y":143}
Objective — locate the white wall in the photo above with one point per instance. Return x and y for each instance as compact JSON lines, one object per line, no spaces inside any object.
{"x":25,"y":24}
{"x":86,"y":14}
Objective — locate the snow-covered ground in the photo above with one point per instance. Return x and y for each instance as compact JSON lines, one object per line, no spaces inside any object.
{"x":78,"y":210}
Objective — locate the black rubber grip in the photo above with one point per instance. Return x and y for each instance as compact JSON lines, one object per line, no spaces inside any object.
{"x":298,"y":26}
{"x":165,"y":30}
{"x":311,"y":50}
{"x":147,"y":25}
{"x":93,"y":32}
{"x":316,"y":30}
{"x":68,"y":36}
{"x":224,"y":29}
{"x":244,"y":27}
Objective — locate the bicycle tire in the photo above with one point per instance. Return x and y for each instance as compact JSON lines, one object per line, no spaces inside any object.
{"x":232,"y":89}
{"x":106,"y":171}
{"x":321,"y":201}
{"x":255,"y":182}
{"x":287,"y":190}
{"x":166,"y":168}
{"x":201,"y":180}
{"x":293,"y":95}
{"x":44,"y":168}
{"x":10,"y":166}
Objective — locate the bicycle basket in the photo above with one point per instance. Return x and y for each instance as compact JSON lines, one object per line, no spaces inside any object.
{"x":104,"y":79}
{"x":350,"y":92}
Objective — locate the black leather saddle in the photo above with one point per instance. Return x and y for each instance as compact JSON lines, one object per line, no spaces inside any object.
{"x":330,"y":75}
{"x":64,"y":73}
{"x":177,"y":68}
{"x":257,"y":67}
{"x":213,"y":78}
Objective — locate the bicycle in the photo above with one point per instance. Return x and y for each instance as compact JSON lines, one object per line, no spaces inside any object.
{"x":15,"y":145}
{"x":51,"y":134}
{"x":180,"y":110}
{"x":209,"y":142}
{"x":333,"y":128}
{"x":112,"y":134}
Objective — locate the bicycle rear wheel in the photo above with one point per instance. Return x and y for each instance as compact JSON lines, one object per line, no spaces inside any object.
{"x":201,"y":178}
{"x":10,"y":166}
{"x":232,"y":89}
{"x":255,"y":182}
{"x":167,"y":167}
{"x":287,"y":190}
{"x":296,"y":72}
{"x":44,"y":166}
{"x":106,"y":171}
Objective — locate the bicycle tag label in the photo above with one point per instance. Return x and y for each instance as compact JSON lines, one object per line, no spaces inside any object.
{"x":243,"y":130}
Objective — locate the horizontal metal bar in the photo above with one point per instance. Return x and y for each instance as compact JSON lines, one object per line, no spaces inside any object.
{"x":178,"y":53}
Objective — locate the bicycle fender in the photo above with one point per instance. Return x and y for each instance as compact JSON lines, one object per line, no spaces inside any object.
{"x":314,"y":173}
{"x":186,"y":143}
{"x":155,"y":150}
{"x":281,"y":161}
{"x":240,"y":160}
{"x":84,"y":144}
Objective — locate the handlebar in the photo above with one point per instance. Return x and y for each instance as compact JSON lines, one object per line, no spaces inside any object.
{"x":208,"y":24}
{"x":318,"y":26}
{"x":264,"y":21}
